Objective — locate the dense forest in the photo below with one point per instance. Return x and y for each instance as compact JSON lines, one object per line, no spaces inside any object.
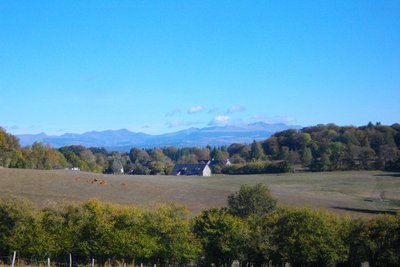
{"x":251,"y":229}
{"x":317,"y":148}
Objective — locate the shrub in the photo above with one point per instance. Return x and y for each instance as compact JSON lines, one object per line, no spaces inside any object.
{"x":258,"y":168}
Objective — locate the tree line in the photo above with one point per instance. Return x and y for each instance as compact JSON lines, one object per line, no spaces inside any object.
{"x":317,"y":148}
{"x":330,"y":147}
{"x":250,"y":230}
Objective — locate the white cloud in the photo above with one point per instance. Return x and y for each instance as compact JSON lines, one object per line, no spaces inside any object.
{"x":195,"y":109}
{"x":220,"y":120}
{"x":235,"y":108}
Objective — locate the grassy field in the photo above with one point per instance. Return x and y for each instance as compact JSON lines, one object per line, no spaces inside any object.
{"x":354,"y":193}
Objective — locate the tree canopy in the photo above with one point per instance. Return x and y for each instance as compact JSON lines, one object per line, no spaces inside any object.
{"x":253,"y":201}
{"x":316,"y":148}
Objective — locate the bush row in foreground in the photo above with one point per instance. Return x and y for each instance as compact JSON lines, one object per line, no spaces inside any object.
{"x":251,"y":230}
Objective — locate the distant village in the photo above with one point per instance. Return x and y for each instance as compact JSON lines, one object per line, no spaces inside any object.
{"x":315,"y":148}
{"x":203,"y":168}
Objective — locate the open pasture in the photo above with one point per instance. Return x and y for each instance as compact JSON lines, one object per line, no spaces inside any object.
{"x":355,"y":193}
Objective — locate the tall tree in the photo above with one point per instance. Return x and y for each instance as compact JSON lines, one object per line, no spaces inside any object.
{"x":222,"y":236}
{"x":253,"y":201}
{"x":256,"y":151}
{"x":307,"y":238}
{"x":306,"y":157}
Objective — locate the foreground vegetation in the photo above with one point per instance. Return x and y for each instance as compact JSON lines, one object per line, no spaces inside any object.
{"x":317,"y":148}
{"x":250,"y":230}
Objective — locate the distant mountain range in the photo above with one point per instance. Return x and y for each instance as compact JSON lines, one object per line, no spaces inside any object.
{"x":124,"y":140}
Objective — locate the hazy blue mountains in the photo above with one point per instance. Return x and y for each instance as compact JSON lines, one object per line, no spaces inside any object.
{"x":123,"y":140}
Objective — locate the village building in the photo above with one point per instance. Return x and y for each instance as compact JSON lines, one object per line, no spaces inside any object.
{"x":191,"y":170}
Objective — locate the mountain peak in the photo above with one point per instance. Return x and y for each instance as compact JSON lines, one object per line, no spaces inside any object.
{"x":258,"y":123}
{"x":124,"y":140}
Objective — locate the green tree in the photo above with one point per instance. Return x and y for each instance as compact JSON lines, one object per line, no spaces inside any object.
{"x":367,"y":158}
{"x":306,"y":157}
{"x":17,"y":226}
{"x":253,"y":201}
{"x":157,"y":155}
{"x":258,"y":244}
{"x":176,"y":245}
{"x":219,"y":154}
{"x":139,"y":156}
{"x":10,"y":154}
{"x":256,"y":151}
{"x":237,"y":159}
{"x":131,"y":239}
{"x":115,"y":166}
{"x":222,"y":236}
{"x":302,"y":140}
{"x":379,"y":239}
{"x":307,"y":238}
{"x":53,"y":233}
{"x":191,"y":159}
{"x":271,"y":147}
{"x":284,"y":153}
{"x":337,"y":152}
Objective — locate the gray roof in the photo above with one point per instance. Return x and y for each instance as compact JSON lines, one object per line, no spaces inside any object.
{"x":188,"y":169}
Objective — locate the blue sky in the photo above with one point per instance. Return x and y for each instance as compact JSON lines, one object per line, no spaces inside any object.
{"x":162,"y":66}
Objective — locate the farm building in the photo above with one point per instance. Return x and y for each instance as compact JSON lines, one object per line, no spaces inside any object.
{"x":191,"y":170}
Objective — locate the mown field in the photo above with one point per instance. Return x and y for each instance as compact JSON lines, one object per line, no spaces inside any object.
{"x":356,"y":193}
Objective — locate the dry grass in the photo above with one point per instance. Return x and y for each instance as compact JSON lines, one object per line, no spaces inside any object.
{"x":355,"y":193}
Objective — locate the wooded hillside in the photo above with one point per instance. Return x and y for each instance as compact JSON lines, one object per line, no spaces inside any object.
{"x":317,"y":148}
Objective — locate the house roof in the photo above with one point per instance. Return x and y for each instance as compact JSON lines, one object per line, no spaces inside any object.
{"x":188,"y":169}
{"x":204,"y":161}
